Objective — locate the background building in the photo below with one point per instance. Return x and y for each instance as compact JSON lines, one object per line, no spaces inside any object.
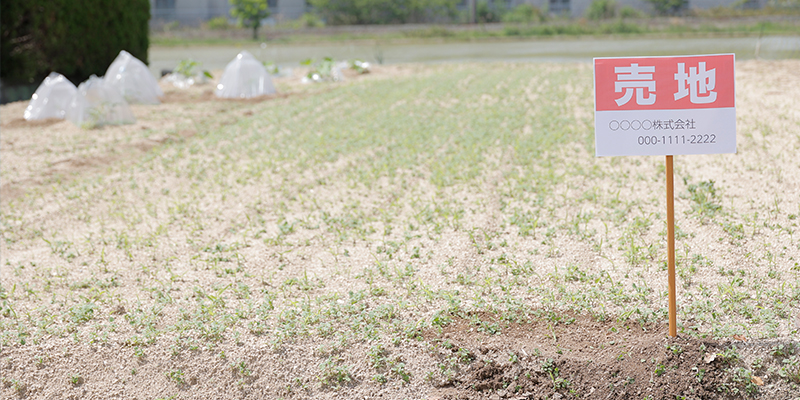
{"x":577,"y":8}
{"x":195,"y":12}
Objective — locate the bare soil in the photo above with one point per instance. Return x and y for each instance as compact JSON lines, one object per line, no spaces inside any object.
{"x":587,"y":359}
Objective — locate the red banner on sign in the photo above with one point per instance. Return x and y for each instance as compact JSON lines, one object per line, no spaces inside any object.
{"x":664,"y":83}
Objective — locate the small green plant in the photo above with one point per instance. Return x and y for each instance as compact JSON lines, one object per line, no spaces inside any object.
{"x":82,"y":312}
{"x":676,"y":349}
{"x":273,"y":69}
{"x":703,"y":197}
{"x":176,"y":376}
{"x":790,"y":369}
{"x":549,"y":367}
{"x":699,"y":373}
{"x":743,"y":378}
{"x":324,"y":70}
{"x":729,"y":355}
{"x":783,"y":350}
{"x":361,"y":67}
{"x":333,"y":373}
{"x":377,"y":356}
{"x":240,"y":367}
{"x":399,"y":370}
{"x":75,"y":379}
{"x":190,"y":68}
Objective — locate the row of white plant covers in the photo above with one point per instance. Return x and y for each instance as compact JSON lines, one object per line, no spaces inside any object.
{"x":104,"y":101}
{"x":244,"y":77}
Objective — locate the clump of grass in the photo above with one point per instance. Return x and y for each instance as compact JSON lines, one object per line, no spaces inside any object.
{"x":176,"y":376}
{"x":704,"y":199}
{"x":334,"y":373}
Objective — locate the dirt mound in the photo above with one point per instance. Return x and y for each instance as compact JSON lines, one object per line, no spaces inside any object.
{"x":580,"y":357}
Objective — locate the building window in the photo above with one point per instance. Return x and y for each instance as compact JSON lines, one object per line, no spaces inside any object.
{"x":165,"y":4}
{"x":559,"y":6}
{"x":164,"y":9}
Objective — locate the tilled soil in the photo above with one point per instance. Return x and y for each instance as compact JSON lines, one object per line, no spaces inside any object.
{"x":548,"y":357}
{"x":587,"y":359}
{"x":479,"y":356}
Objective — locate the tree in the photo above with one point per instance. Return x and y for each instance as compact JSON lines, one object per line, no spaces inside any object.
{"x":75,"y":38}
{"x":250,"y":13}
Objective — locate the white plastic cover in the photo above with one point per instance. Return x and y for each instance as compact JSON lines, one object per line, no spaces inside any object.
{"x":244,"y":77}
{"x":95,"y":104}
{"x":51,"y":98}
{"x":133,"y":80}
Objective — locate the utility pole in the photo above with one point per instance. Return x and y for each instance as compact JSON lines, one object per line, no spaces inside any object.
{"x":473,"y":13}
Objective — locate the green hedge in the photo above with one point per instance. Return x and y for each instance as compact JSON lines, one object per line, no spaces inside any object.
{"x":76,"y":38}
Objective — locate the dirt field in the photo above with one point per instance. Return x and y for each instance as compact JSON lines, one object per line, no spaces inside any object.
{"x":439,"y":232}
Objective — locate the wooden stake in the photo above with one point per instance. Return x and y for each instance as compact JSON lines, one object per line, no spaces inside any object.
{"x":673,"y":330}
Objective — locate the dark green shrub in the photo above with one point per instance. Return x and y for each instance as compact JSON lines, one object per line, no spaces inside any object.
{"x":310,"y":20}
{"x":76,"y":38}
{"x":218,"y":23}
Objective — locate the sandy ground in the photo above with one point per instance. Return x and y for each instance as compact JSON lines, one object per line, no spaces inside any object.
{"x":594,"y":359}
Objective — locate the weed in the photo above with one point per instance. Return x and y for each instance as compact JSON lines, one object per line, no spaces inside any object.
{"x":176,"y":376}
{"x":380,"y":378}
{"x":729,"y":356}
{"x":790,"y":369}
{"x":333,"y":373}
{"x":377,"y":356}
{"x":82,"y":312}
{"x":76,"y":379}
{"x":784,"y":350}
{"x":742,"y":378}
{"x":703,"y":197}
{"x":240,"y":367}
{"x":676,"y":349}
{"x":399,"y":370}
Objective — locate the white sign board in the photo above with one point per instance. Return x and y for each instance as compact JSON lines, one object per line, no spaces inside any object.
{"x":664,"y":105}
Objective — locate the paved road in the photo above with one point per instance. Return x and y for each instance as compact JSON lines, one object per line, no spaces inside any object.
{"x":542,"y":50}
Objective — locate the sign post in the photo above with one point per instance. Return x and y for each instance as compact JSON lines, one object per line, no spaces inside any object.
{"x":673,"y":306}
{"x":665,"y":106}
